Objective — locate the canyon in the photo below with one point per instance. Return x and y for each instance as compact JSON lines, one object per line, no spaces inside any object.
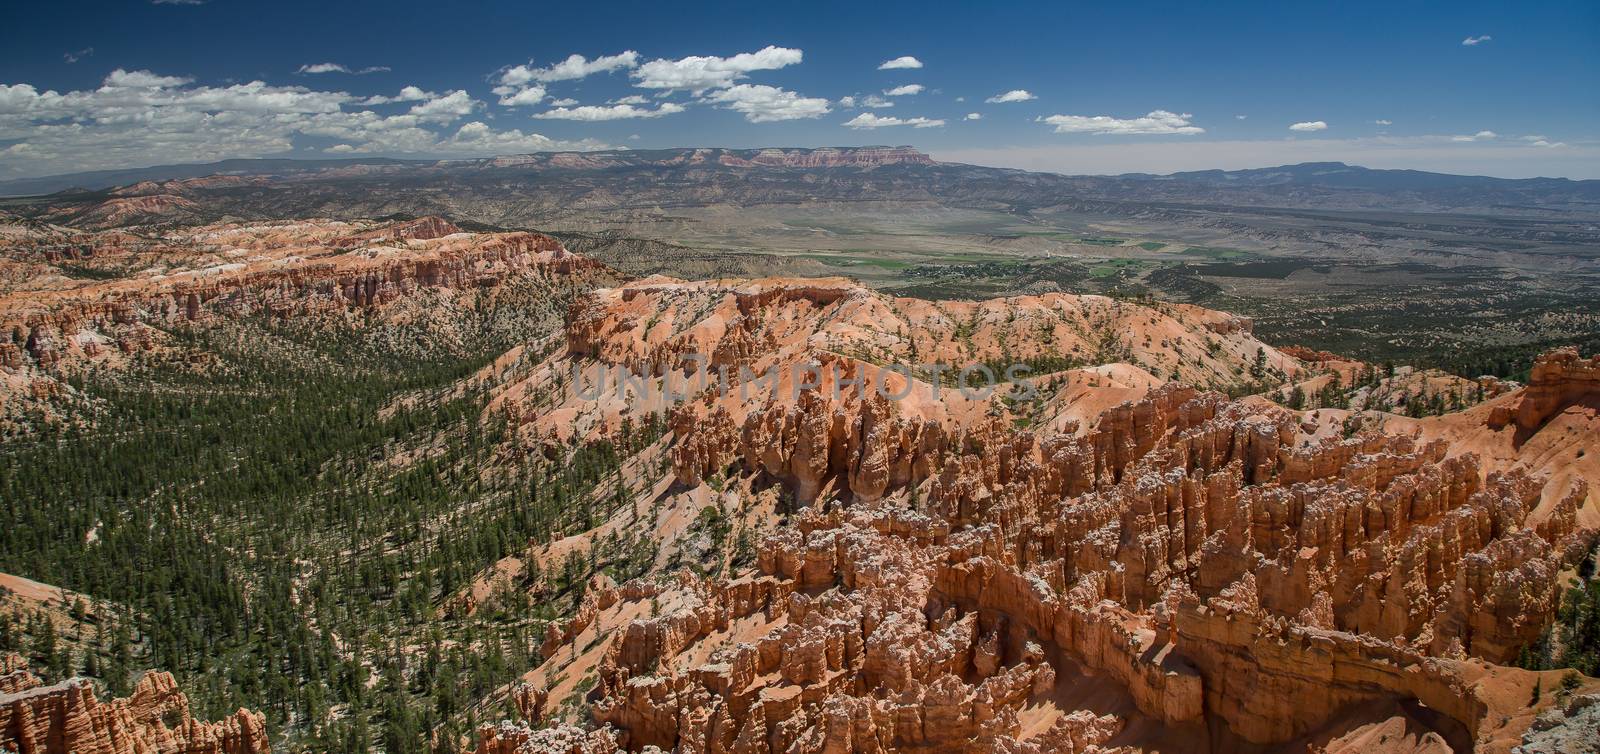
{"x":1135,"y":544}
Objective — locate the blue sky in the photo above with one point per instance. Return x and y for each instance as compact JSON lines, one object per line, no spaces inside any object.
{"x":1109,"y":88}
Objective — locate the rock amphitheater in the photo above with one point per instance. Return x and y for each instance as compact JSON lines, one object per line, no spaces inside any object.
{"x":1126,"y":562}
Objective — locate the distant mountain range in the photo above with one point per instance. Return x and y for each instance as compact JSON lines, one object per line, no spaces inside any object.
{"x":669,"y":177}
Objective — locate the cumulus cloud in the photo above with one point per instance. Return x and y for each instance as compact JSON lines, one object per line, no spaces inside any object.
{"x":528,"y":97}
{"x":765,"y":104}
{"x":121,"y":79}
{"x":407,"y":94}
{"x":871,"y":120}
{"x":141,"y":118}
{"x":904,"y":61}
{"x":523,"y":85}
{"x":574,"y":67}
{"x":902,"y":91}
{"x":1475,"y":41}
{"x":1015,"y":95}
{"x":701,"y":72}
{"x":563,"y":102}
{"x":337,"y":68}
{"x":974,"y":116}
{"x":1309,"y":125}
{"x":609,"y":112}
{"x":632,"y":99}
{"x":446,"y":108}
{"x":1159,"y":122}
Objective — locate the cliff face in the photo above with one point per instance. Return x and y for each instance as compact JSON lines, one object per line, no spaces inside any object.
{"x":68,"y":717}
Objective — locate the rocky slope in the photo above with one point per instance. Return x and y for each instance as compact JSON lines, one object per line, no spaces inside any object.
{"x":70,"y":301}
{"x":1174,"y":571}
{"x":1550,"y":428}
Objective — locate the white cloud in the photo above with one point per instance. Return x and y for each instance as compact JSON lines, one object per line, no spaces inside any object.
{"x":447,"y":108}
{"x":120,"y":79}
{"x":1240,"y":117}
{"x":1540,"y":141}
{"x":904,"y":61}
{"x":609,"y":112}
{"x":632,"y":99}
{"x":1156,"y":122}
{"x":870,"y":120}
{"x":528,"y":97}
{"x":765,"y":104}
{"x":574,"y":67}
{"x":1015,"y":95}
{"x":974,"y":116}
{"x":523,"y":85}
{"x":901,"y":91}
{"x":1383,"y":122}
{"x":1479,"y":136}
{"x":337,"y":68}
{"x":563,"y":102}
{"x":478,"y":138}
{"x":142,"y":118}
{"x":1309,"y":125}
{"x":1475,"y":41}
{"x":73,"y":57}
{"x":407,"y":94}
{"x":701,"y":72}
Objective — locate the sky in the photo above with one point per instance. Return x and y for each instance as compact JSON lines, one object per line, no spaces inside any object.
{"x":1493,"y":88}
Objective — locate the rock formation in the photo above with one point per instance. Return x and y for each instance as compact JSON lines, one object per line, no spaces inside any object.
{"x":68,"y":717}
{"x":1559,"y":379}
{"x":1203,"y":564}
{"x":309,"y":274}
